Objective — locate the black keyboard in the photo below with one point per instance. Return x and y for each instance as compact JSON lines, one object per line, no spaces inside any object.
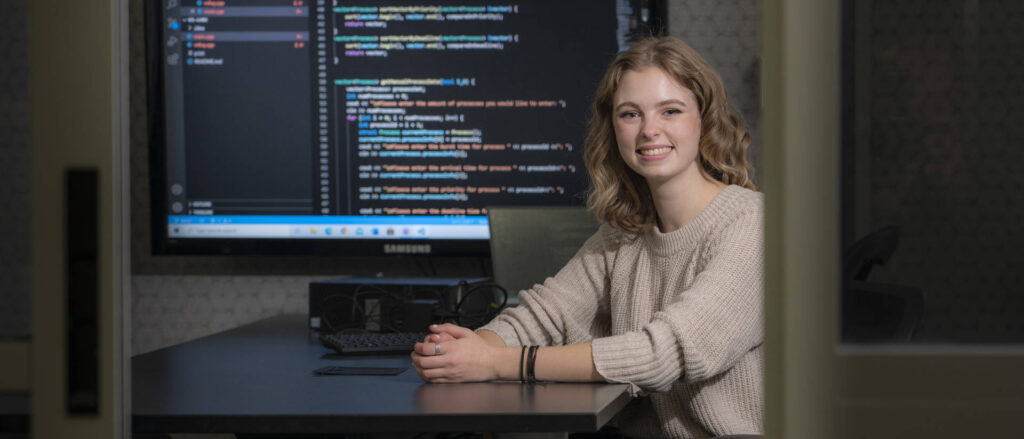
{"x":372,"y":342}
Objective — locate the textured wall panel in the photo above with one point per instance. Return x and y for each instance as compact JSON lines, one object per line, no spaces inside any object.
{"x":15,"y":299}
{"x":168,"y":311}
{"x":727,"y":35}
{"x":947,"y":125}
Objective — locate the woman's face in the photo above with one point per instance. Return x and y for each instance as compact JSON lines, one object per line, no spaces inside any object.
{"x":657,"y":126}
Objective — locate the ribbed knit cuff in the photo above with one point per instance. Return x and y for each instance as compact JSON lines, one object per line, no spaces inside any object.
{"x":632,"y":358}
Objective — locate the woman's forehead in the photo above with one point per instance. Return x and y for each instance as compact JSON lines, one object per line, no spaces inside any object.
{"x":650,"y":83}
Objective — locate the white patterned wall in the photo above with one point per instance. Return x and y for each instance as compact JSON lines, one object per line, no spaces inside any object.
{"x":168,"y":310}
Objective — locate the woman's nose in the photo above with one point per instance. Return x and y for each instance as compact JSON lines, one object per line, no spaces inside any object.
{"x":650,"y":129}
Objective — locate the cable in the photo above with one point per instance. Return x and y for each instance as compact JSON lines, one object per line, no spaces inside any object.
{"x":485,"y":270}
{"x":327,"y":320}
{"x":487,"y":316}
{"x":368,"y":315}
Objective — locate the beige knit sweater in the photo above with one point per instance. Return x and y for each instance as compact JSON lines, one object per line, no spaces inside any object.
{"x":677,"y":316}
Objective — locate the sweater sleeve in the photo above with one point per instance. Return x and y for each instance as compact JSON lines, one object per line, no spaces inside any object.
{"x":705,"y":329}
{"x":562,"y":310}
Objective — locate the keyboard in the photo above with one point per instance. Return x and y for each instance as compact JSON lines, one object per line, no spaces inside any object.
{"x":372,"y":342}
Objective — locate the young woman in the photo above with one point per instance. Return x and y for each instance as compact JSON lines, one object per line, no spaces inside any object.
{"x":667,"y":295}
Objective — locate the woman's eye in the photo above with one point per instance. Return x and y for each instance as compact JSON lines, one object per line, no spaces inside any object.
{"x":673,"y":111}
{"x":629,"y":115}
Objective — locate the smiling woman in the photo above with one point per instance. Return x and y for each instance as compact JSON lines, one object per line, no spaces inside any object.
{"x":680,"y":74}
{"x":657,"y":127}
{"x":667,"y":295}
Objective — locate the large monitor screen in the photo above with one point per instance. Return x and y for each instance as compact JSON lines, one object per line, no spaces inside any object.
{"x":368,"y":127}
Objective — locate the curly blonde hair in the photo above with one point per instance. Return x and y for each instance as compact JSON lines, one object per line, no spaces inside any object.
{"x":620,"y":196}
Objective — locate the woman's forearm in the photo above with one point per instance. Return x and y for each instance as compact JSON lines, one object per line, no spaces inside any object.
{"x":573,"y":363}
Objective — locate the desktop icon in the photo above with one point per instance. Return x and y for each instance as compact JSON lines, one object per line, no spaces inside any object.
{"x":172,"y":59}
{"x":359,"y":231}
{"x":391,"y":231}
{"x":327,"y":231}
{"x":343,"y":231}
{"x":312,"y":230}
{"x":376,"y":231}
{"x":172,"y":40}
{"x":422,"y":231}
{"x":405,"y":230}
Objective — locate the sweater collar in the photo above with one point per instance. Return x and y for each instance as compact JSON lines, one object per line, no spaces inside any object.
{"x":689,"y":235}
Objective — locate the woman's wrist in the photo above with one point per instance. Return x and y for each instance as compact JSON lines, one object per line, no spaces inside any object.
{"x":491,"y":338}
{"x":506,"y":364}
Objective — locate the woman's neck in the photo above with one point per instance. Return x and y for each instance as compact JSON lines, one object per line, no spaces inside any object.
{"x":679,"y":202}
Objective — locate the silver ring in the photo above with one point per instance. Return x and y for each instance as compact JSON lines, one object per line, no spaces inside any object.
{"x":437,"y":348}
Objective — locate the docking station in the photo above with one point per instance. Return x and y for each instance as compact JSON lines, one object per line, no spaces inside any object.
{"x":400,"y":304}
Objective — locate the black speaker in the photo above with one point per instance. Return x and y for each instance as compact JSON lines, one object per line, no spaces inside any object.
{"x":81,"y":241}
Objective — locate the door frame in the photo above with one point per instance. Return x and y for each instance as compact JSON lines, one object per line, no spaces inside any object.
{"x":817,"y":387}
{"x":78,"y":86}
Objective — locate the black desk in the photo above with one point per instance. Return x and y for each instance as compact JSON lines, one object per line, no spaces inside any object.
{"x":258,"y":379}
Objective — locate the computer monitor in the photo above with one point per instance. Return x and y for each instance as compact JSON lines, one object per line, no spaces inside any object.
{"x":367,"y":127}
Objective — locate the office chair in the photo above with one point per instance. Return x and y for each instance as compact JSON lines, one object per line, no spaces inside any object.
{"x":518,"y":261}
{"x":873,"y":311}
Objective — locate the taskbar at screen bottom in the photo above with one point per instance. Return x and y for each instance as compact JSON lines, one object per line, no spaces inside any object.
{"x":228,"y":227}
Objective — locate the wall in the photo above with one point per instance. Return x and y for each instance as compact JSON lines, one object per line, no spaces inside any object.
{"x":727,"y":34}
{"x":14,"y":178}
{"x":944,"y":128}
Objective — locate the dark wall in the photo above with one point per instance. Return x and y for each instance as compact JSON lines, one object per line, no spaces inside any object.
{"x":14,"y":171}
{"x":942,"y":101}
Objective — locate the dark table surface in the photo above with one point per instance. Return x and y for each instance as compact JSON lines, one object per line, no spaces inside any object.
{"x":15,"y":408}
{"x":258,"y":379}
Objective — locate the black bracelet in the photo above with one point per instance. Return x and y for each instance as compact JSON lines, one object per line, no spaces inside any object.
{"x":529,"y":351}
{"x":531,"y":363}
{"x":522,"y":355}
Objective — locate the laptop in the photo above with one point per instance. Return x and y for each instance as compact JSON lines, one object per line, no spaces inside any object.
{"x":530,"y":244}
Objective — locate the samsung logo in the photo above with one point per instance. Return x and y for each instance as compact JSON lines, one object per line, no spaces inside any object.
{"x":418,"y":249}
